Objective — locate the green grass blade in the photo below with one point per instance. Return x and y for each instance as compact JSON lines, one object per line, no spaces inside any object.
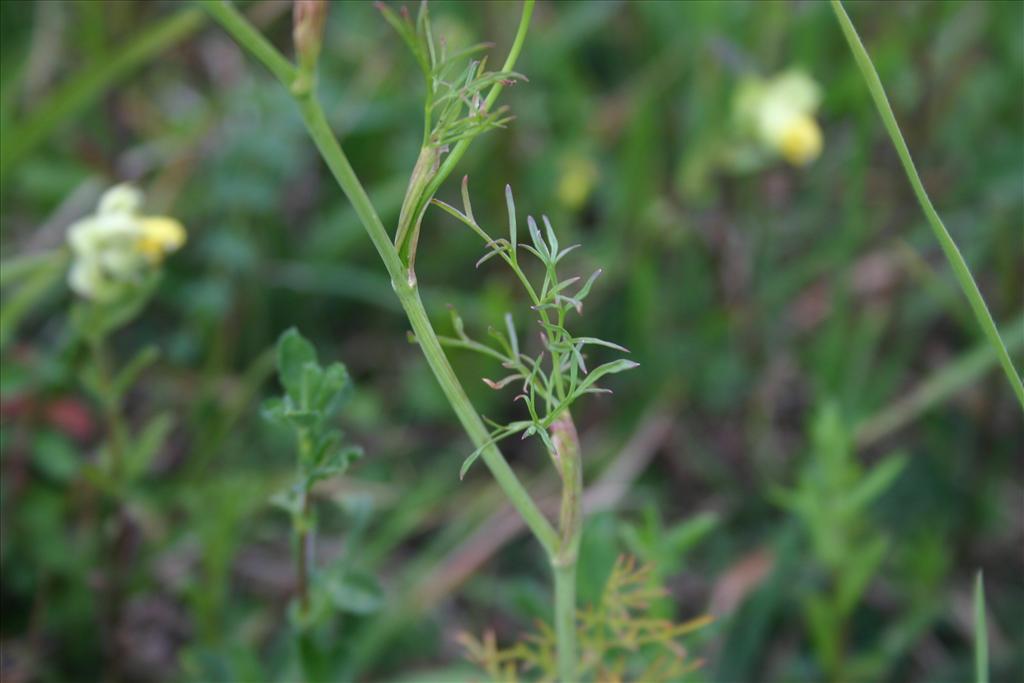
{"x":956,"y":260}
{"x":980,"y":632}
{"x":85,"y":87}
{"x":938,"y":387}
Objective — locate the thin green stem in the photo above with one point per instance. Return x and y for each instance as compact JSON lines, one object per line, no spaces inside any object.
{"x":953,"y":255}
{"x":235,"y":23}
{"x":980,"y":631}
{"x":565,"y":621}
{"x":472,"y":423}
{"x":408,"y":294}
{"x":117,"y":431}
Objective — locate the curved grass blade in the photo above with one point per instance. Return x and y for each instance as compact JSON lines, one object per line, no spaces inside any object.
{"x":956,"y":260}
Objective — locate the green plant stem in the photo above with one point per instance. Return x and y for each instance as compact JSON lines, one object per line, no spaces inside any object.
{"x":980,"y":631}
{"x":565,"y":621}
{"x":117,"y":431}
{"x":408,"y":294}
{"x":235,"y":23}
{"x":302,"y":552}
{"x":82,"y":89}
{"x":953,"y":255}
{"x":110,"y":519}
{"x":474,"y":426}
{"x":567,"y":452}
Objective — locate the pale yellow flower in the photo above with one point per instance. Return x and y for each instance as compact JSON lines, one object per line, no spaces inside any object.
{"x":800,"y":141}
{"x":117,"y":246}
{"x":779,"y":114}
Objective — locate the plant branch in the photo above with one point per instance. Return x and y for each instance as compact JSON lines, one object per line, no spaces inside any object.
{"x":246,"y":35}
{"x":408,"y":294}
{"x":460,"y":148}
{"x":953,"y":255}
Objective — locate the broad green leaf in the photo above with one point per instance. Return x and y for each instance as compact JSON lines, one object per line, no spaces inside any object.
{"x":301,"y":419}
{"x":311,"y":378}
{"x":334,"y":388}
{"x":335,"y":462}
{"x":273,"y":410}
{"x":56,"y":456}
{"x":293,"y":353}
{"x":354,"y":592}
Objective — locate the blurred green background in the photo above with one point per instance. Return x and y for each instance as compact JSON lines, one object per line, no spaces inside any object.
{"x":797,"y":330}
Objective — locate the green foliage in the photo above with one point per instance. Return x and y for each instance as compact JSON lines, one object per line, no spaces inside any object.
{"x":746,"y":298}
{"x":549,"y":386}
{"x":456,"y":90}
{"x":619,"y":640}
{"x":662,"y":548}
{"x":25,"y":282}
{"x":313,"y":395}
{"x":833,"y":501}
{"x":95,"y":320}
{"x":456,"y":109}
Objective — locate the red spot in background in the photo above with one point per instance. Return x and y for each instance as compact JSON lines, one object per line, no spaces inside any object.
{"x":71,"y":416}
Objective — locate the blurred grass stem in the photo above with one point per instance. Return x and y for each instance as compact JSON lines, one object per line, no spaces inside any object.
{"x":86,"y":86}
{"x":980,"y":631}
{"x":953,"y":255}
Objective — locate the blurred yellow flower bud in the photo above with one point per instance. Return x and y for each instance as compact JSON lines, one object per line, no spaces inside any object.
{"x":800,"y":141}
{"x":160,"y":235}
{"x":779,"y":114}
{"x":116,"y":246}
{"x":577,"y":180}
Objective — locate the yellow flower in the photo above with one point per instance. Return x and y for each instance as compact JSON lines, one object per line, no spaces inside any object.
{"x":117,"y":246}
{"x":779,"y":114}
{"x":160,"y":236}
{"x":800,"y":141}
